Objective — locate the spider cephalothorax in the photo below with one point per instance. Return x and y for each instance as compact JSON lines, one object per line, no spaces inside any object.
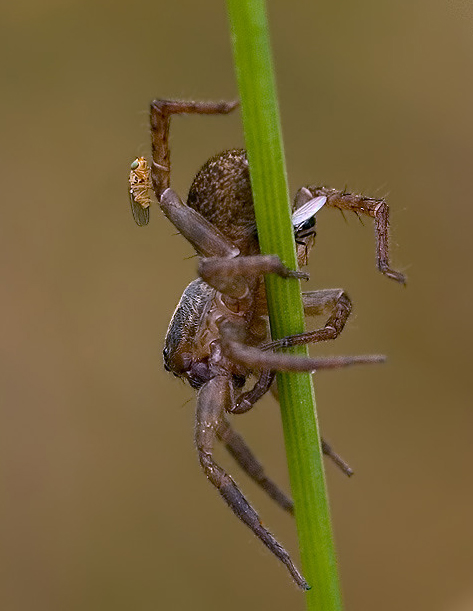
{"x":218,"y":338}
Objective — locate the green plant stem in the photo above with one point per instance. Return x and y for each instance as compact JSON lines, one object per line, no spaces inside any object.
{"x":261,"y":124}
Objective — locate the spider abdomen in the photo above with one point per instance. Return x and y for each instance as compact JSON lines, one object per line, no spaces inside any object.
{"x":221,"y":192}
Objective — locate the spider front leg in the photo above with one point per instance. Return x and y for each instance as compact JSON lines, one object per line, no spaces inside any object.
{"x":204,"y":237}
{"x":160,"y":117}
{"x":377,"y":209}
{"x":213,"y":399}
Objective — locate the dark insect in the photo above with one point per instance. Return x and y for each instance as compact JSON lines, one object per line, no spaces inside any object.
{"x":218,"y":337}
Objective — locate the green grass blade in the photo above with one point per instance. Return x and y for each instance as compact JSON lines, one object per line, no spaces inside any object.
{"x":261,"y":124}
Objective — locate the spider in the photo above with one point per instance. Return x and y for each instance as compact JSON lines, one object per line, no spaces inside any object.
{"x":219,"y":336}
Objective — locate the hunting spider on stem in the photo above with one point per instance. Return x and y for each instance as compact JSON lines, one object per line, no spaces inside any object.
{"x":219,"y":335}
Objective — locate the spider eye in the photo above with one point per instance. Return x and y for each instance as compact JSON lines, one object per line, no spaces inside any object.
{"x":135,"y":164}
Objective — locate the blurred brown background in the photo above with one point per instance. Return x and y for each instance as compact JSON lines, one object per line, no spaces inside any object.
{"x":104,"y":503}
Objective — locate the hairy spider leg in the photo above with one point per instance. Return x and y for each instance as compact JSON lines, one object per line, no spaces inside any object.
{"x":259,"y":359}
{"x":213,"y":398}
{"x":229,"y":277}
{"x":244,"y":457}
{"x":333,"y":301}
{"x":160,"y":116}
{"x":377,"y":209}
{"x":237,"y":447}
{"x":315,"y":303}
{"x":222,"y":275}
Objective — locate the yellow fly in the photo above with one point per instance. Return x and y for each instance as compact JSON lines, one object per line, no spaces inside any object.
{"x":140,"y":185}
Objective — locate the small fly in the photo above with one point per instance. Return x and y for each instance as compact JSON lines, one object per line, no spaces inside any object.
{"x":303,"y":219}
{"x":140,"y":185}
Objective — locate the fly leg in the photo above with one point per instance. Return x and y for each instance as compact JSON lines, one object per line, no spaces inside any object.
{"x":160,"y":117}
{"x":242,"y":454}
{"x":213,"y":398}
{"x":315,"y":303}
{"x":377,"y":209}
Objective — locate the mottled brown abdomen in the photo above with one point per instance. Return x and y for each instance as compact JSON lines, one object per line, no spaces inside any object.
{"x":221,"y":192}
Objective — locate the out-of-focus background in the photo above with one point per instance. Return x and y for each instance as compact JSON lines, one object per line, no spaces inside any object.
{"x":104,"y":503}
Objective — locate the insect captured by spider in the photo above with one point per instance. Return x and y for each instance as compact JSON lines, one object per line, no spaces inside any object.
{"x":219,"y":337}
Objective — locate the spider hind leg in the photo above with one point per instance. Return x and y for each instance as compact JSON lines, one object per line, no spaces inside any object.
{"x":212,"y":400}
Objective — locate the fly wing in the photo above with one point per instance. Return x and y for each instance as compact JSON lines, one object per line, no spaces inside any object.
{"x":308,"y":210}
{"x":140,"y":213}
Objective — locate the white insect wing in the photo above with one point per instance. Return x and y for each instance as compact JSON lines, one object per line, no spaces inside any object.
{"x":308,"y":210}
